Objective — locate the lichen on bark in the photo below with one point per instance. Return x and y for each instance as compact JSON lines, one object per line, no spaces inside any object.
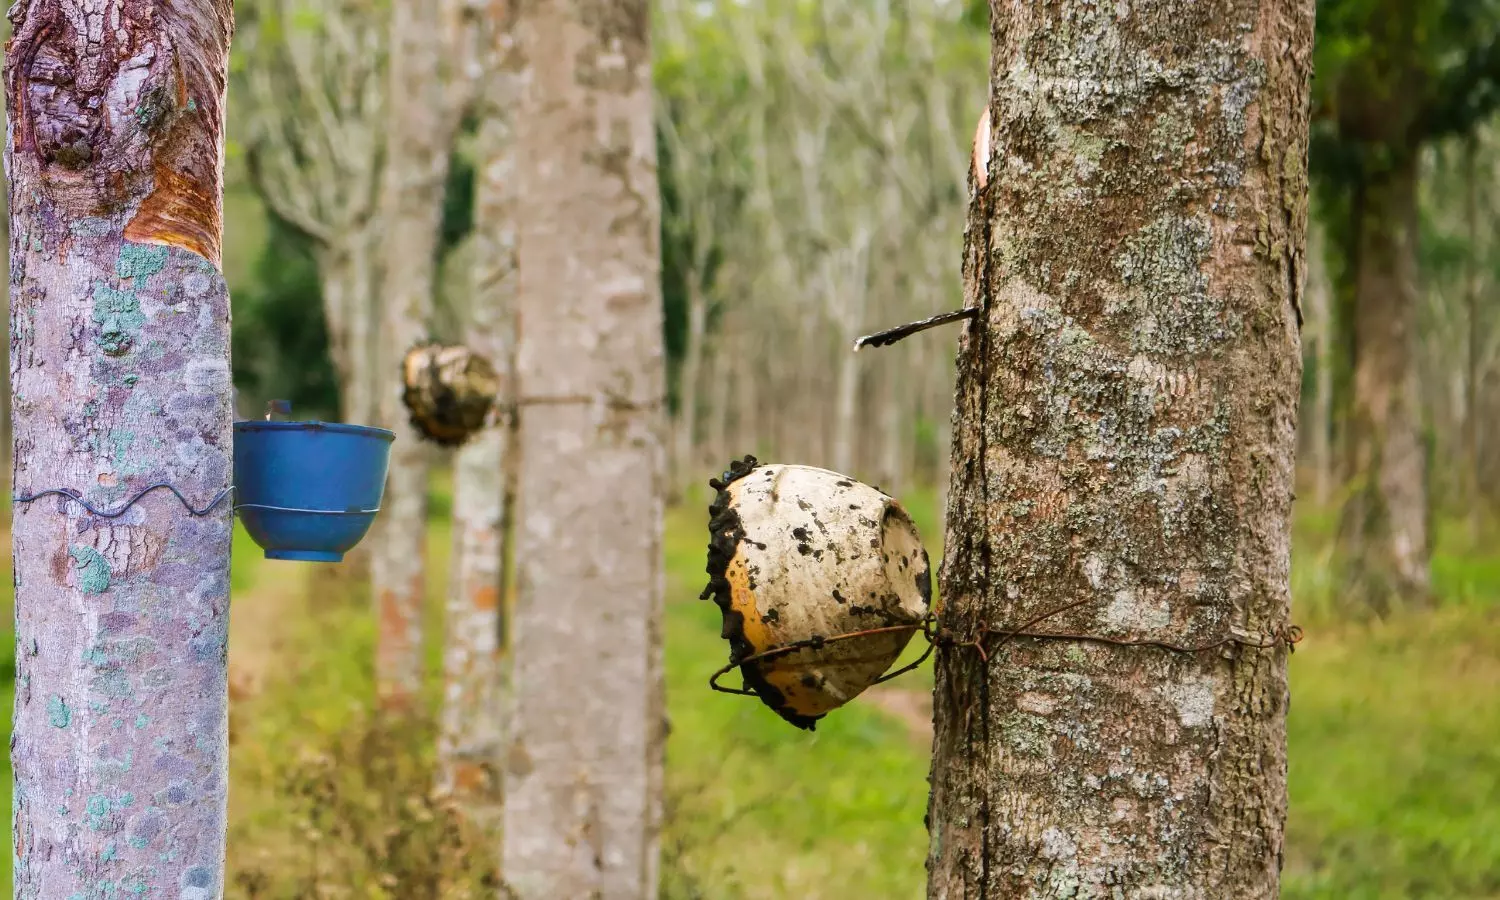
{"x":120,"y":378}
{"x":1123,"y":435}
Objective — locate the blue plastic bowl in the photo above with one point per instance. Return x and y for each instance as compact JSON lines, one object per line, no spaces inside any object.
{"x":309,"y":490}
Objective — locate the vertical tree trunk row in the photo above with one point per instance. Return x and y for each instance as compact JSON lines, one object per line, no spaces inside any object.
{"x":1386,"y":518}
{"x":347,"y":274}
{"x":1473,"y":287}
{"x":120,"y":379}
{"x":1320,"y":329}
{"x":470,"y":741}
{"x":421,"y":134}
{"x":1125,"y":434}
{"x":585,"y":727}
{"x":685,"y":443}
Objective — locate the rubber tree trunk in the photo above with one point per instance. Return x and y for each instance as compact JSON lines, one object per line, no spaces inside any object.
{"x":845,"y":405}
{"x":896,"y":419}
{"x":720,"y":379}
{"x":6,"y":473}
{"x":1472,"y":289}
{"x":583,"y":762}
{"x":1124,"y":437}
{"x":469,"y":743}
{"x":1386,"y":519}
{"x":412,"y":202}
{"x":120,"y":374}
{"x":1318,"y":311}
{"x":685,"y":446}
{"x":346,"y":272}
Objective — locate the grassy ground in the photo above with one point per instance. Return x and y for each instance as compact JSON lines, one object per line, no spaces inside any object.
{"x":1395,"y":742}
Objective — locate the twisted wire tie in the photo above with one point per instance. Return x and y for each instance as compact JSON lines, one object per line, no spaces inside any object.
{"x":1288,"y":635}
{"x":73,"y":495}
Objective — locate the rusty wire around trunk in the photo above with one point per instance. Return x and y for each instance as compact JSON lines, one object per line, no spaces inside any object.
{"x":1287,"y":635}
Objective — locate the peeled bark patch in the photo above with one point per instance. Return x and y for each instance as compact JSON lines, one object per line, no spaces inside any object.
{"x":115,"y":102}
{"x":800,"y":555}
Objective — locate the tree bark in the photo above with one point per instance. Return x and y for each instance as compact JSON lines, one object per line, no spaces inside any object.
{"x":7,"y":476}
{"x":685,"y":444}
{"x":415,"y":176}
{"x":586,"y":724}
{"x":120,"y":374}
{"x":845,"y":404}
{"x":896,"y":417}
{"x":721,"y":377}
{"x":470,"y":741}
{"x":364,"y":327}
{"x":346,"y":273}
{"x":1318,"y":296}
{"x":1386,"y":519}
{"x":1124,"y":439}
{"x":1472,"y":289}
{"x":347,"y":276}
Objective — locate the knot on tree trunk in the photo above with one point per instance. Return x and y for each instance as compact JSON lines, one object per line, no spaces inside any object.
{"x":120,"y":106}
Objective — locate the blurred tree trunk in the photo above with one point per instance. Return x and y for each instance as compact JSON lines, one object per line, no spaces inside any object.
{"x":721,"y":379}
{"x":583,"y":762}
{"x":895,"y":432}
{"x":470,"y":741}
{"x":684,"y":457}
{"x":1472,"y":288}
{"x":1126,"y":433}
{"x":1385,"y":521}
{"x":747,"y":392}
{"x":346,"y":271}
{"x":1320,"y":330}
{"x":847,"y":286}
{"x":421,"y":131}
{"x":845,"y":405}
{"x":346,"y":275}
{"x":7,"y":474}
{"x":121,"y":379}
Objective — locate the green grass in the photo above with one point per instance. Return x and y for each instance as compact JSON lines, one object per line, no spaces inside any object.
{"x":1394,"y":731}
{"x":761,"y":809}
{"x":1395,"y":760}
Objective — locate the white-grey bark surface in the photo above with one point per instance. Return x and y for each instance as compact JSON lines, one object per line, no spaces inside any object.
{"x":585,"y":725}
{"x":470,"y":740}
{"x":120,"y":379}
{"x":421,"y":120}
{"x":1124,"y":439}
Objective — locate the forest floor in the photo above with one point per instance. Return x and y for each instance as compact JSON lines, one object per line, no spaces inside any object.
{"x":1394,"y":733}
